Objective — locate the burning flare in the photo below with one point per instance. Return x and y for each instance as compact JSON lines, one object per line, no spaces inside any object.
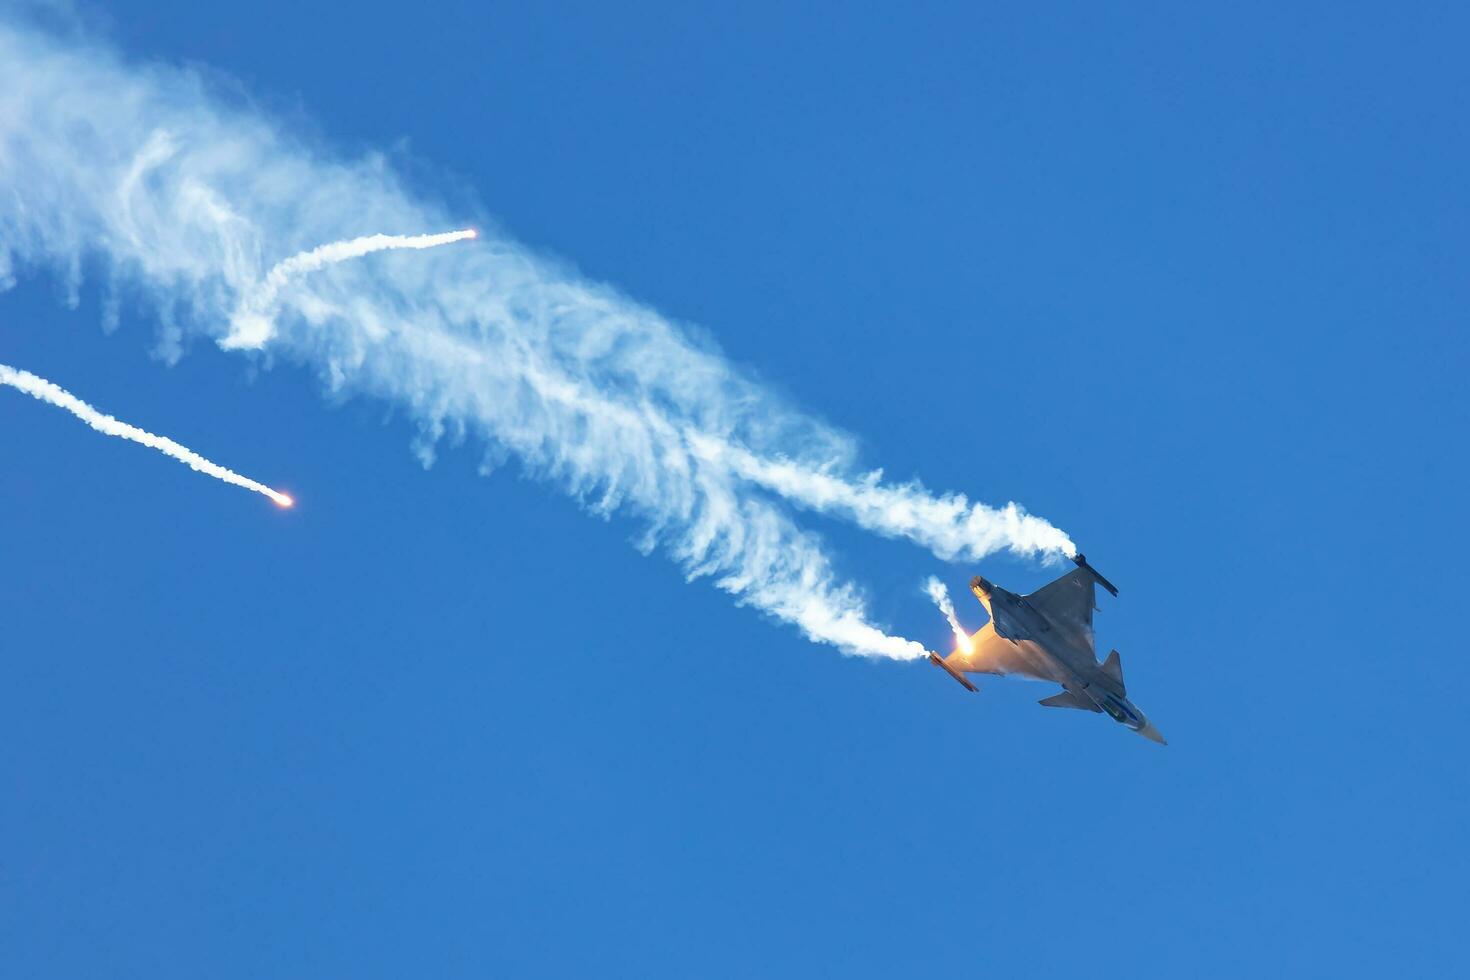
{"x":43,"y":390}
{"x":940,"y":595}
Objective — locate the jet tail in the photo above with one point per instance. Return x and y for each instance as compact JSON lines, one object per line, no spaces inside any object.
{"x":938,"y":661}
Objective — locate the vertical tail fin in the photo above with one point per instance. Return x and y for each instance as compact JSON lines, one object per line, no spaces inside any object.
{"x":981,"y":587}
{"x":1113,"y":667}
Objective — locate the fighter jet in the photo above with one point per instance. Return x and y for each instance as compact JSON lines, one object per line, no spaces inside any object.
{"x":1048,"y":635}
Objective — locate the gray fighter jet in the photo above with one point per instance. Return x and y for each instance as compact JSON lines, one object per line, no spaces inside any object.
{"x":1048,"y":635}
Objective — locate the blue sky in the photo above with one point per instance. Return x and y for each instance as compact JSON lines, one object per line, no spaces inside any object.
{"x":1189,"y":284}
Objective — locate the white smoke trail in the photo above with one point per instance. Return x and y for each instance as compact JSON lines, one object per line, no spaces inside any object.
{"x":937,"y":591}
{"x":950,"y":526}
{"x":251,"y":325}
{"x":189,"y":202}
{"x":43,"y":390}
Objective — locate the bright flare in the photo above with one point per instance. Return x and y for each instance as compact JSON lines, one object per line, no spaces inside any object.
{"x":43,"y":390}
{"x":940,"y":595}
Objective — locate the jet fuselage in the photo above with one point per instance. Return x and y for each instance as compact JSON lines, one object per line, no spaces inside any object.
{"x":1059,"y":651}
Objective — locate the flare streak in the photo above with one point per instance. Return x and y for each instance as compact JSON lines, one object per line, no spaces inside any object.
{"x":52,"y":394}
{"x":251,"y":325}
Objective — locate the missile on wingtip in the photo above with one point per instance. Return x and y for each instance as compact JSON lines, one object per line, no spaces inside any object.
{"x":938,"y":661}
{"x":1081,"y":561}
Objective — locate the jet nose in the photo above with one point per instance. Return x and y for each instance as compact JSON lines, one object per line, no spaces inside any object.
{"x":1151,"y":733}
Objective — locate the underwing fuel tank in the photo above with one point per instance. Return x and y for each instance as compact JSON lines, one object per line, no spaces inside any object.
{"x":1081,"y":561}
{"x":938,"y":661}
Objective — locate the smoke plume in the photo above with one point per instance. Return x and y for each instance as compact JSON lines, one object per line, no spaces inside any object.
{"x":191,"y":203}
{"x":43,"y":390}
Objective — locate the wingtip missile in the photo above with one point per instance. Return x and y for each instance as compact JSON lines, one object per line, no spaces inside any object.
{"x":938,"y":661}
{"x":1081,"y":561}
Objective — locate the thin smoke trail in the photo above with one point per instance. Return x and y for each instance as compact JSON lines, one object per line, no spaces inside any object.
{"x":52,"y":394}
{"x":937,"y":591}
{"x":251,"y":325}
{"x":950,"y":526}
{"x":186,"y":202}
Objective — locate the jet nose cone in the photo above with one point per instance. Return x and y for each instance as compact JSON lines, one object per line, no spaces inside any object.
{"x":1151,"y":733}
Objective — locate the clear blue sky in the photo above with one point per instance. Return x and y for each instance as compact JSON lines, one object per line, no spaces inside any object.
{"x":1190,"y":283}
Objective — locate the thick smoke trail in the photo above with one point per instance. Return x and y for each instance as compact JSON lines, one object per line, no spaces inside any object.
{"x":51,"y":394}
{"x":190,"y":203}
{"x":936,"y":591}
{"x":949,"y":526}
{"x":251,"y":324}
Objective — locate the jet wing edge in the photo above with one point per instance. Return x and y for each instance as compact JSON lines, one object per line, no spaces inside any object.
{"x":1080,"y":560}
{"x":938,"y":661}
